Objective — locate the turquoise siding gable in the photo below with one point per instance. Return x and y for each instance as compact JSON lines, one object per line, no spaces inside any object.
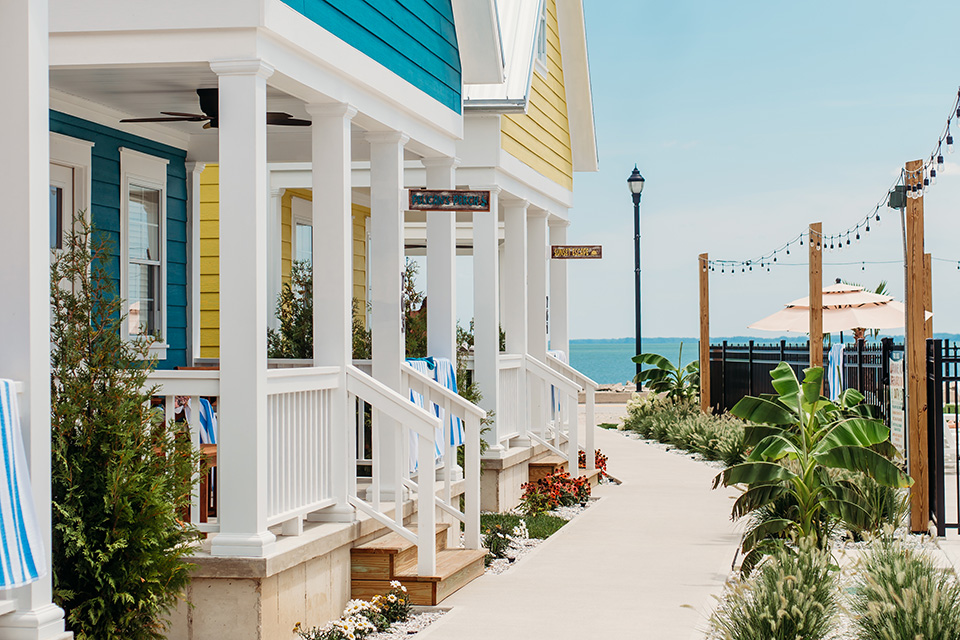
{"x":415,"y":39}
{"x":105,"y":214}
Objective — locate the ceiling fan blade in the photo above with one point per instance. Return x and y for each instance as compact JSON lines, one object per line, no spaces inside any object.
{"x":285,"y":119}
{"x":172,"y":119}
{"x":196,"y":116}
{"x":209,"y":124}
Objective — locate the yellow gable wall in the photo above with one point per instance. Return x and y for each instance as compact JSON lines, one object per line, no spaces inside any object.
{"x":541,"y":137}
{"x":210,"y":253}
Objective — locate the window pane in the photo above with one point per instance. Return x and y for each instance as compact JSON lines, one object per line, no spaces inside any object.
{"x":304,"y":243}
{"x":143,"y":313}
{"x":56,"y":217}
{"x":144,"y":223}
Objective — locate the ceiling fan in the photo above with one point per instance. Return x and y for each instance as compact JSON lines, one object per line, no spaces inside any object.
{"x":210,"y":105}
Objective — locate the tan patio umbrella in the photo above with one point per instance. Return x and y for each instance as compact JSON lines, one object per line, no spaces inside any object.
{"x":845,"y":308}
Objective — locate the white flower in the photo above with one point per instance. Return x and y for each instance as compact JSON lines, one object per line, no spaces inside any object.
{"x":403,"y":588}
{"x":395,"y":584}
{"x":391,"y":598}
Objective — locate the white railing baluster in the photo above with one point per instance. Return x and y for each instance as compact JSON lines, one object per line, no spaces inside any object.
{"x":355,"y":424}
{"x":376,"y":455}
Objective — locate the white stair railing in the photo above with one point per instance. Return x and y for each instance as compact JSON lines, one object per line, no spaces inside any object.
{"x":404,"y":418}
{"x":512,"y":408}
{"x":590,"y":397}
{"x":564,"y":420}
{"x":471,"y":415}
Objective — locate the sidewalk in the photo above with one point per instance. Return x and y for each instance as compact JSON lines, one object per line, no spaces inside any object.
{"x":642,"y":562}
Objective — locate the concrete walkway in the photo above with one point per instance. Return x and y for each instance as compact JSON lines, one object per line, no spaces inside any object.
{"x":643,"y":562}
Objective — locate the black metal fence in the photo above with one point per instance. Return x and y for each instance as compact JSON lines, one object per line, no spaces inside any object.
{"x":738,"y":370}
{"x":943,"y":389}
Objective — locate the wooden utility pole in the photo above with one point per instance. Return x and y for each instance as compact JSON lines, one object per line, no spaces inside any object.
{"x":704,"y":264}
{"x":916,"y":357}
{"x":816,"y":294}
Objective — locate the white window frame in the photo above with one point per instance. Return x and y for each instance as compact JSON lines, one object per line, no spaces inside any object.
{"x":143,"y":170}
{"x":540,"y":52}
{"x":74,"y":154}
{"x":299,"y":217}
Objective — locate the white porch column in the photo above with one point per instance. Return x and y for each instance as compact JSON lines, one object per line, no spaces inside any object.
{"x":274,"y":255}
{"x":537,"y":283}
{"x":244,"y":195}
{"x":386,"y":273}
{"x":514,"y":298}
{"x":559,"y":299}
{"x":25,"y":280}
{"x":486,"y":312}
{"x":333,"y":284}
{"x":441,"y":265}
{"x":194,"y":169}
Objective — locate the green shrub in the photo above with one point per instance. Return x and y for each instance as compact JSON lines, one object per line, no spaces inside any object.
{"x":540,"y":526}
{"x":791,"y":595}
{"x":902,"y":595}
{"x":120,"y":475}
{"x":884,"y":506}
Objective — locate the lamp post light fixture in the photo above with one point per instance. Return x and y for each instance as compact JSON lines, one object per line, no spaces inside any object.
{"x":635,"y":182}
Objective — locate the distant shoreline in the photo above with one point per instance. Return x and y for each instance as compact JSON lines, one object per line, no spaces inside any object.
{"x":847,"y":337}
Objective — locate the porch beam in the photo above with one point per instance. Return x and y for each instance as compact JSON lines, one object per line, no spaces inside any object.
{"x":244,"y":195}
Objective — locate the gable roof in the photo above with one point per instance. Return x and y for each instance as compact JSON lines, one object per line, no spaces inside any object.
{"x":479,"y":39}
{"x":519,"y":20}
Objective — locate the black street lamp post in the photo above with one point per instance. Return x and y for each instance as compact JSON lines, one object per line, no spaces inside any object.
{"x":635,"y":182}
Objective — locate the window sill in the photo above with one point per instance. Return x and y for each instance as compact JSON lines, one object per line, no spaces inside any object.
{"x":540,"y":68}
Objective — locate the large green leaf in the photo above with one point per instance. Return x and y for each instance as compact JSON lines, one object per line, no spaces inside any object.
{"x":856,"y":458}
{"x":654,"y":360}
{"x":762,"y":411}
{"x":754,"y":433}
{"x":772,"y":528}
{"x":693,"y":367}
{"x":850,"y":398}
{"x":772,"y":448}
{"x":753,"y":473}
{"x":855,"y":431}
{"x":652,"y":376}
{"x":756,"y":497}
{"x":785,"y":380}
{"x":812,"y":385}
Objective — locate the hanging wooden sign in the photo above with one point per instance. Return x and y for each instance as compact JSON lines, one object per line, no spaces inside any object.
{"x":576,"y":251}
{"x":449,"y":200}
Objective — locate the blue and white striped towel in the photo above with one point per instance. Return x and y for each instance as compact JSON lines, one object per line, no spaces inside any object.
{"x":446,"y":374}
{"x":21,"y":545}
{"x":835,"y":371}
{"x":423,"y":366}
{"x":208,"y":423}
{"x":554,"y":396}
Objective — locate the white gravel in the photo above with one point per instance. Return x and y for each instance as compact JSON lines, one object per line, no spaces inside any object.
{"x":416,"y":623}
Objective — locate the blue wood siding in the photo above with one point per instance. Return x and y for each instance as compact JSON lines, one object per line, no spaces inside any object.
{"x":415,"y":39}
{"x":105,"y":214}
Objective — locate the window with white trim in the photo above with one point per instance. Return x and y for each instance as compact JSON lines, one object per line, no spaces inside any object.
{"x":302,"y":219}
{"x":143,"y":271}
{"x":541,"y":59}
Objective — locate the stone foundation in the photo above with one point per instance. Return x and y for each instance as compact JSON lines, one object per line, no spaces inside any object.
{"x":501,"y":477}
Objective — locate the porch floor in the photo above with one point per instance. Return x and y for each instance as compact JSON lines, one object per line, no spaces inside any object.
{"x":642,"y":562}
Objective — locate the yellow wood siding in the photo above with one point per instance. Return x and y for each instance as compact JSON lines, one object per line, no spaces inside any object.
{"x":210,"y":253}
{"x":210,"y":262}
{"x":541,"y":138}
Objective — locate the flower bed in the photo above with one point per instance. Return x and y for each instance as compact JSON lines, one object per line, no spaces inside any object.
{"x":363,"y":618}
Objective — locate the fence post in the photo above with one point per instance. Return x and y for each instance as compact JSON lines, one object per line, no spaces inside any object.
{"x":935,"y":434}
{"x":783,"y":351}
{"x":750,"y":368}
{"x":723,"y":376}
{"x":885,"y":348}
{"x":860,"y":366}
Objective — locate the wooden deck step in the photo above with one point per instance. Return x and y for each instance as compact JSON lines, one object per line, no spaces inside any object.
{"x":593,"y":476}
{"x":378,"y":559}
{"x":455,"y":568}
{"x":546,"y":466}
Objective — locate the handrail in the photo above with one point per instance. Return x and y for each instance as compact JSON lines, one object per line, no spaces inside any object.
{"x":291,"y":380}
{"x":186,"y":383}
{"x":571,"y":373}
{"x":446,"y":394}
{"x":391,"y":403}
{"x":555,"y":378}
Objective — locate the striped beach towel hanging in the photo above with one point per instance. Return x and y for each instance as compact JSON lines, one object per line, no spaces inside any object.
{"x":446,"y":374}
{"x":21,"y":545}
{"x":835,"y":371}
{"x":423,"y":366}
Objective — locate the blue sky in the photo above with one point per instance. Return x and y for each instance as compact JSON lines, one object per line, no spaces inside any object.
{"x":750,"y":120}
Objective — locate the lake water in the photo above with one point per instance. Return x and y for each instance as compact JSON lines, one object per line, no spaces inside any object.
{"x":609,"y":362}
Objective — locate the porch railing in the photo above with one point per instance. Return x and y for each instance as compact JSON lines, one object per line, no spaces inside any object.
{"x":512,"y":407}
{"x":590,"y":402}
{"x":560,"y":420}
{"x":402,"y":418}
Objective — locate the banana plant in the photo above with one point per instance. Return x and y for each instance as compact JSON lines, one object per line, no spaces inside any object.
{"x":796,"y":436}
{"x":675,"y":381}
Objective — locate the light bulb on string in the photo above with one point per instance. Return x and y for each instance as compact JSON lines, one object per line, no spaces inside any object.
{"x":858,"y":234}
{"x":940,"y":161}
{"x":801,"y":241}
{"x":933,"y":176}
{"x":926,"y":182}
{"x":949,"y":141}
{"x":848,"y":238}
{"x":863,"y":266}
{"x":867,"y":228}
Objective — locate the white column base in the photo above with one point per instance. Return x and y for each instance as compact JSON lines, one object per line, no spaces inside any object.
{"x":342,"y":513}
{"x":45,"y":623}
{"x":521,"y":441}
{"x":248,"y":546}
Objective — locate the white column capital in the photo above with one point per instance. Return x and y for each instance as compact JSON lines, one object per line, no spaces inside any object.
{"x":387,"y":137}
{"x":196,"y":167}
{"x":534,"y":212}
{"x":514,"y":203}
{"x":276,"y":193}
{"x":558,"y":223}
{"x":331,"y":110}
{"x":440,"y":161}
{"x":242,"y":67}
{"x":494,"y":189}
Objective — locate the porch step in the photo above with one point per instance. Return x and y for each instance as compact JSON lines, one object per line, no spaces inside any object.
{"x":379,"y":558}
{"x":544,"y":467}
{"x":592,"y":476}
{"x":455,"y":568}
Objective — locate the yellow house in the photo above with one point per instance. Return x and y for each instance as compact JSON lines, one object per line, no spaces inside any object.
{"x":294,"y":208}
